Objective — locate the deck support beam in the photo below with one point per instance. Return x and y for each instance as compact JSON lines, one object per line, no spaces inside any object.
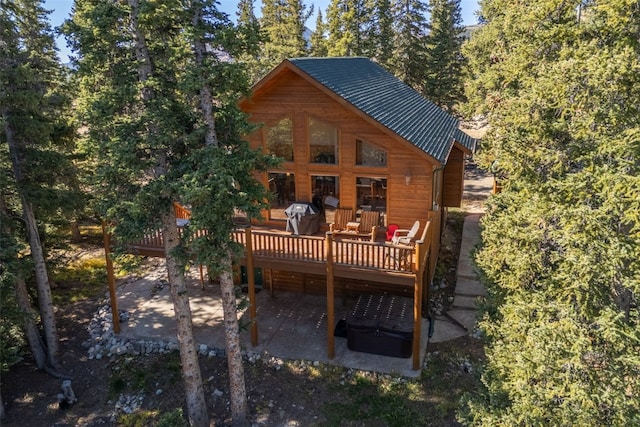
{"x":422,"y":269}
{"x":417,"y":306}
{"x":252,"y":288}
{"x":201,"y":268}
{"x":331,"y":350}
{"x":111,"y":279}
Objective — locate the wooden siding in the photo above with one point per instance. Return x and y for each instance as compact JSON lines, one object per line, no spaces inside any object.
{"x":315,"y":284}
{"x":292,"y":96}
{"x":453,"y":179}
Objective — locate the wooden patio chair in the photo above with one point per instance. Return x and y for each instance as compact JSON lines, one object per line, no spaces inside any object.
{"x":342,"y":217}
{"x":369,"y":221}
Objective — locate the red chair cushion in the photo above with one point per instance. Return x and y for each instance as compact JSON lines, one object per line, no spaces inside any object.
{"x":390,"y":230}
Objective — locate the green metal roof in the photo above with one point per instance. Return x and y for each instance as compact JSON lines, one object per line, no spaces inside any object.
{"x":467,"y":141}
{"x":389,"y":101}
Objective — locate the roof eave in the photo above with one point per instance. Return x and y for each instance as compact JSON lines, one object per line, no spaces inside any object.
{"x":462,"y":148}
{"x":263,"y":82}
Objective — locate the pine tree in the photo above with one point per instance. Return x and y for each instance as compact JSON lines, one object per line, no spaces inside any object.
{"x":136,"y":124}
{"x":35,"y":153}
{"x":283,"y":23}
{"x":222,"y":183}
{"x":318,"y":40}
{"x":409,"y":53}
{"x":444,"y":61}
{"x":383,"y":34}
{"x":561,"y":244}
{"x":251,"y":36}
{"x":350,"y":28}
{"x":162,"y":117}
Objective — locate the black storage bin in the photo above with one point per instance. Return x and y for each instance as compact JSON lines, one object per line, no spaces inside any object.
{"x":257,"y":276}
{"x":381,"y":324}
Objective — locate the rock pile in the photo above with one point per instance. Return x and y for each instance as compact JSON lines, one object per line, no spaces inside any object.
{"x":127,"y":403}
{"x":103,"y":342}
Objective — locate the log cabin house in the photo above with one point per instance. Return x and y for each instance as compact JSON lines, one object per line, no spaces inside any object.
{"x":352,"y":135}
{"x":353,"y":138}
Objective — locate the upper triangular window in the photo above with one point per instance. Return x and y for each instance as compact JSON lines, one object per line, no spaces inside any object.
{"x":279,"y":139}
{"x":368,"y":154}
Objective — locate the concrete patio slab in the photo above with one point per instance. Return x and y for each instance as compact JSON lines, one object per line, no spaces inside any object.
{"x":445,"y":330}
{"x":290,"y":326}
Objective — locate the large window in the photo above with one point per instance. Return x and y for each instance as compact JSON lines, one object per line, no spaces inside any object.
{"x":325,"y":190}
{"x":372,"y":195}
{"x":369,"y":155}
{"x":323,"y":142}
{"x":279,"y":138}
{"x":283,"y":187}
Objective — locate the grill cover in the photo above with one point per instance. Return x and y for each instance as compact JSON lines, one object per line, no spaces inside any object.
{"x":302,"y":218}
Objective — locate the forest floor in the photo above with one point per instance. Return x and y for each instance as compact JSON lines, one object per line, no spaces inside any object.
{"x":290,"y":393}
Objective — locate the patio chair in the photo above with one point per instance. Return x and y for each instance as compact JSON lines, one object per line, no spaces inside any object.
{"x":405,"y":237}
{"x":398,"y":258}
{"x":369,"y":221}
{"x":390,"y":230}
{"x":342,"y":217}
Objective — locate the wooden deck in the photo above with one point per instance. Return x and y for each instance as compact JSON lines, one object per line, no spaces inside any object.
{"x":351,"y":258}
{"x":331,"y":263}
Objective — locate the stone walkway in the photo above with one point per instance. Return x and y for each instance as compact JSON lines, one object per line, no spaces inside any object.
{"x":461,"y":318}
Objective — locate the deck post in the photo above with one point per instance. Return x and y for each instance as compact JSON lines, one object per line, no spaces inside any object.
{"x":201,"y":277}
{"x":252,"y":287}
{"x":417,"y":306}
{"x":429,"y":256}
{"x":111,"y":279}
{"x":331,"y":351}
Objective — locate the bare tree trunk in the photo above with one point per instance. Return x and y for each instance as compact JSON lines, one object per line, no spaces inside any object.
{"x":23,"y":302}
{"x":3,"y":414}
{"x":191,"y":375}
{"x":45,"y":301}
{"x":38,"y":349}
{"x":29,"y":325}
{"x":206,"y":103}
{"x":239,"y":410}
{"x":76,"y":237}
{"x":28,"y":314}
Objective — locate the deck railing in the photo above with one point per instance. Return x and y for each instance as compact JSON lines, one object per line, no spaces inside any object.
{"x":283,"y":246}
{"x":280,"y":246}
{"x":181,"y":212}
{"x":153,"y":239}
{"x":345,"y":252}
{"x":361,"y":254}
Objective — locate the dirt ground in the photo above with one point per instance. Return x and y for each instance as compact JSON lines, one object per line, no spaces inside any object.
{"x":280,"y":394}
